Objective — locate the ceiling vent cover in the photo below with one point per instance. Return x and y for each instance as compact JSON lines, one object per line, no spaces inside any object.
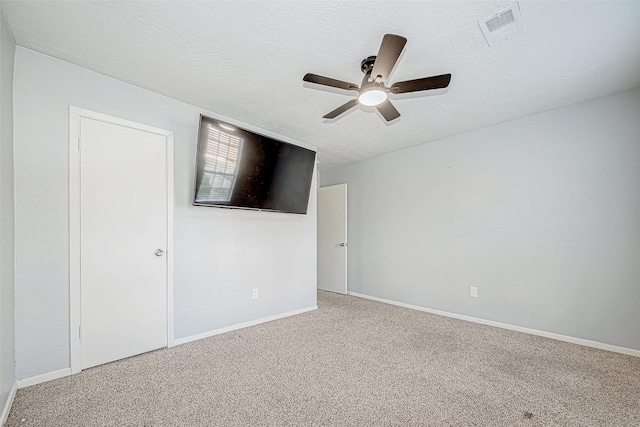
{"x":502,"y":25}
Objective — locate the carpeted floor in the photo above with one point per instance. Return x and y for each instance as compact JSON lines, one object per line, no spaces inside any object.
{"x":353,"y":362}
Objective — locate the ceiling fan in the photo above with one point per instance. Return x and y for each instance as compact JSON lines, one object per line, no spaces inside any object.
{"x":372,"y":91}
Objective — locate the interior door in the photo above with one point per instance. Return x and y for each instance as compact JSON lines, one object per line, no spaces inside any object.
{"x":123,"y":237}
{"x":332,"y":238}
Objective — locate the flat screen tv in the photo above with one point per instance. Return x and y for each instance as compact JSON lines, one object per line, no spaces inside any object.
{"x":237,"y":168}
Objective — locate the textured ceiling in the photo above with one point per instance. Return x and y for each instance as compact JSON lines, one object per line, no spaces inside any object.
{"x":246,"y":60}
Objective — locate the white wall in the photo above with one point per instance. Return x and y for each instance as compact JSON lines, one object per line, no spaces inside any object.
{"x":7,"y":300}
{"x":219,"y":254}
{"x":542,"y":214}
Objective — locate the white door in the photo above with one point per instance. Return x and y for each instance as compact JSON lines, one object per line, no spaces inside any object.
{"x":332,"y":238}
{"x":123,"y":239}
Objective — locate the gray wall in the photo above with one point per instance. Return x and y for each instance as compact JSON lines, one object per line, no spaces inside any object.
{"x":7,"y":300}
{"x":219,"y":254}
{"x":542,"y":214}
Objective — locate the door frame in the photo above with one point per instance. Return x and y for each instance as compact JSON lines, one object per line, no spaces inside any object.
{"x":346,"y":232}
{"x":75,"y":115}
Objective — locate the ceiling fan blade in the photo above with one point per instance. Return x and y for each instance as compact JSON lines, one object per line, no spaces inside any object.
{"x":388,"y":111}
{"x":341,"y":109}
{"x":388,"y":55}
{"x":326,"y":81}
{"x":426,"y":83}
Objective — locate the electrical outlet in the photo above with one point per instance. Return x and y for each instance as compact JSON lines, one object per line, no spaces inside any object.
{"x":473,"y":292}
{"x":255,"y":293}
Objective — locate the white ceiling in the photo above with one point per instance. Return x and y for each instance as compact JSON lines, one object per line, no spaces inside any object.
{"x":246,"y":60}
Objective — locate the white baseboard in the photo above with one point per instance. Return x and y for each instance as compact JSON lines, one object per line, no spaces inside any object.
{"x":565,"y":338}
{"x":7,"y":404}
{"x":48,"y":376}
{"x":208,"y":334}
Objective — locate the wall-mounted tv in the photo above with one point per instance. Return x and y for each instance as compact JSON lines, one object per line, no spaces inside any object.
{"x":237,"y":168}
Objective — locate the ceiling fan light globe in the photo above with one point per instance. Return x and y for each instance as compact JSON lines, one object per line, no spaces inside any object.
{"x":372,"y":97}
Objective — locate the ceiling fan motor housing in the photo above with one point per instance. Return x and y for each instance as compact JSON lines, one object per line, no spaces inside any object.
{"x":367,"y":64}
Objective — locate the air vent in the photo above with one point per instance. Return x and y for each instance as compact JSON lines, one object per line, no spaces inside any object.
{"x":494,"y":24}
{"x":502,"y":25}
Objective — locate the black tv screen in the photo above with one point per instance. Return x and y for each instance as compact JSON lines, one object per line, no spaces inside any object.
{"x":237,"y":168}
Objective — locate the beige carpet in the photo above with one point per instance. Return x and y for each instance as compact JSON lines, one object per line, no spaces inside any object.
{"x":353,"y":362}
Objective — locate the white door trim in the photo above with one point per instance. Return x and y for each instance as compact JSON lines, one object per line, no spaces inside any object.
{"x":75,"y":114}
{"x":322,"y":203}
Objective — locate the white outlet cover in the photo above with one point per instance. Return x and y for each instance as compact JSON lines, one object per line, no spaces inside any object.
{"x":473,"y":291}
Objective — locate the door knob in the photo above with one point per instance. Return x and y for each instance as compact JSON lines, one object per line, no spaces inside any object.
{"x":158,"y":252}
{"x":343,"y":244}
